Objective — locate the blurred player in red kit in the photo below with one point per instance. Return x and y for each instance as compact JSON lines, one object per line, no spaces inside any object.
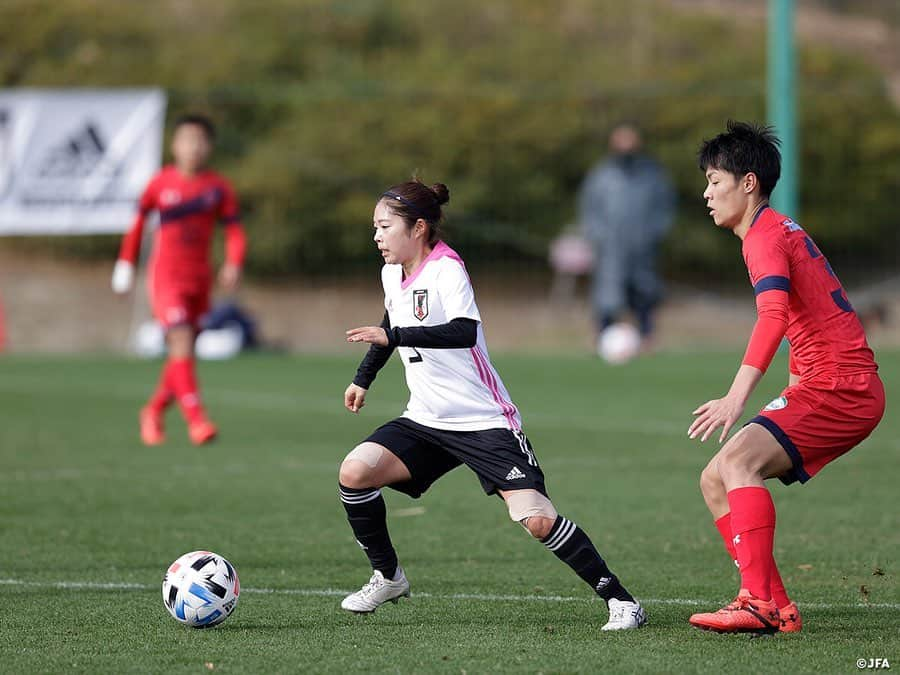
{"x":834,"y":397}
{"x":190,"y":200}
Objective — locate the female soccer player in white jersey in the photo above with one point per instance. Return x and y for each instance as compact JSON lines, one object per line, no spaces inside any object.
{"x":459,"y":412}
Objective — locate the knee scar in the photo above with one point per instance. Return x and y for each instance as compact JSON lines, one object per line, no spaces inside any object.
{"x":524,"y":504}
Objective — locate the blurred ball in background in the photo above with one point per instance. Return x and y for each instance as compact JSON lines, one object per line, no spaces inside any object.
{"x":619,"y":343}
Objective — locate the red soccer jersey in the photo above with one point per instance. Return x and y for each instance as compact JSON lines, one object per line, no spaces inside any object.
{"x":189,"y":207}
{"x":826,"y":336}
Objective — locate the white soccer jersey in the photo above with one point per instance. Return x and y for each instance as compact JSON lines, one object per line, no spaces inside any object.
{"x":451,"y":389}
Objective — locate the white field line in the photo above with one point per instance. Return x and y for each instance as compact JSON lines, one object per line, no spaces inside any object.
{"x":478,"y":597}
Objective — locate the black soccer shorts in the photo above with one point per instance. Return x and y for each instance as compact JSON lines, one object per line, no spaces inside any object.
{"x":501,"y":458}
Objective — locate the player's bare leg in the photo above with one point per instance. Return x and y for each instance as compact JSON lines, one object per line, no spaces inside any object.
{"x":734,"y":489}
{"x":366,"y":469}
{"x":750,"y":457}
{"x":569,"y":543}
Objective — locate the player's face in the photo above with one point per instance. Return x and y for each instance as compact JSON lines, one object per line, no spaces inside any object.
{"x":394,"y":239}
{"x":725,"y":197}
{"x":190,"y":147}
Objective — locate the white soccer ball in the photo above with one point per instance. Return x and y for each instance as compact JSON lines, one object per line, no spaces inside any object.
{"x":149,"y":340}
{"x":201,"y":589}
{"x":619,"y":343}
{"x":219,"y":343}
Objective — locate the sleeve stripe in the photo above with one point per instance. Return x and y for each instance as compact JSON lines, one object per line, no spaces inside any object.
{"x":772,"y":284}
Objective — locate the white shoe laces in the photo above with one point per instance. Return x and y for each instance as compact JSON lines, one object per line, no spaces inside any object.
{"x":376,"y":582}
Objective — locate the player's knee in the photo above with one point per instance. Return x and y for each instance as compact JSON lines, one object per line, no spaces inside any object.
{"x":354,"y":474}
{"x":539,"y":526}
{"x":710,"y":480}
{"x":180,"y":340}
{"x":358,"y":468}
{"x":533,"y":510}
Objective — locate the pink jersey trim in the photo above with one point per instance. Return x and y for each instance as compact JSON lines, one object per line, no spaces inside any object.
{"x":485,"y":373}
{"x":441,"y":250}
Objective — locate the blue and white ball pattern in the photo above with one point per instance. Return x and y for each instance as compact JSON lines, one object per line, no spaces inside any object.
{"x":201,"y":589}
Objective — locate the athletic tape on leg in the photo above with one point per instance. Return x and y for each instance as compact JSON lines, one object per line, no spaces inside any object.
{"x":524,"y":504}
{"x":367,"y":453}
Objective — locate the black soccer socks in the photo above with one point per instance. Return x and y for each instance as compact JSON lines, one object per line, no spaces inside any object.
{"x":368,"y":519}
{"x":570,"y":544}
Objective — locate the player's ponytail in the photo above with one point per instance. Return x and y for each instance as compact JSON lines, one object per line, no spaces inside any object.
{"x":413,"y":200}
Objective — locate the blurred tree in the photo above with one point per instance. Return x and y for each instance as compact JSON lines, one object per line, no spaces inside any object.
{"x":323,"y":103}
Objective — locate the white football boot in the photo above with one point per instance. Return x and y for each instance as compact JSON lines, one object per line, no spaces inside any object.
{"x":377,"y":592}
{"x":624,"y":615}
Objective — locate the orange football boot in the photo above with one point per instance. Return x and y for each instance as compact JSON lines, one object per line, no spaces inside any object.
{"x":152,"y":432}
{"x":745,"y":614}
{"x":202,"y":431}
{"x":791,"y":621}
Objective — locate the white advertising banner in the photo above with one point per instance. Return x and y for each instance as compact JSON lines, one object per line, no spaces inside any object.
{"x":75,"y":161}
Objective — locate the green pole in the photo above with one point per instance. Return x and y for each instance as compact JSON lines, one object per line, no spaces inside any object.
{"x":781,"y":99}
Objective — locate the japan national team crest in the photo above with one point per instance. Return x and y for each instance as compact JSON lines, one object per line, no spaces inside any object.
{"x":420,"y":304}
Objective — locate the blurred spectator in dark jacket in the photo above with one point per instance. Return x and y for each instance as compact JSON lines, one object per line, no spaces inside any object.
{"x":626,"y":207}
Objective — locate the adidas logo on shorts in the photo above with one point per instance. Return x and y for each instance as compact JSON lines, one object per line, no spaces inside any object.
{"x":514,"y":473}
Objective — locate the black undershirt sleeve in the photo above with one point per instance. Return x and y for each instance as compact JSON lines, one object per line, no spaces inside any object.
{"x":458,"y":333}
{"x":374,"y":359}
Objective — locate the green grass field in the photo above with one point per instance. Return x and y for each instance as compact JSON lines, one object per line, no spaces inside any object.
{"x":89,"y":520}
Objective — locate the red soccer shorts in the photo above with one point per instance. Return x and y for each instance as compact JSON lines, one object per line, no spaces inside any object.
{"x":175,"y":305}
{"x":816,"y":424}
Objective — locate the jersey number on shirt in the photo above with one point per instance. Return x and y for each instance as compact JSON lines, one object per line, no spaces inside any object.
{"x":417,"y":358}
{"x":840,"y":299}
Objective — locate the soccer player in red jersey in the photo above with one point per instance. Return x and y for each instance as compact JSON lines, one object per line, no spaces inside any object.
{"x":834,"y":397}
{"x":190,"y":200}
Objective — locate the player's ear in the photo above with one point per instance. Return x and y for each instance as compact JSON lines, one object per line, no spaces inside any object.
{"x":750,"y":182}
{"x":421,"y":227}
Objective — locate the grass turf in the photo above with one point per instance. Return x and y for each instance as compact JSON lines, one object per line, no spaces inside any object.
{"x":89,"y":520}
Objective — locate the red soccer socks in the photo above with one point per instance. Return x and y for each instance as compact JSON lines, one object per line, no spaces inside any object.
{"x":177,"y":381}
{"x":779,"y":593}
{"x":184,"y":383}
{"x":164,"y":393}
{"x":791,"y":621}
{"x":753,"y":527}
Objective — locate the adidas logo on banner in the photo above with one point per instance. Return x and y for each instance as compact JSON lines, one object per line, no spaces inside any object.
{"x":75,"y":156}
{"x":514,"y":473}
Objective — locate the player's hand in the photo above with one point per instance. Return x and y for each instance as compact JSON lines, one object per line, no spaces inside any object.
{"x":354,"y":398}
{"x":374,"y":335}
{"x":229,"y":277}
{"x":122,"y":277}
{"x":720,"y":412}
